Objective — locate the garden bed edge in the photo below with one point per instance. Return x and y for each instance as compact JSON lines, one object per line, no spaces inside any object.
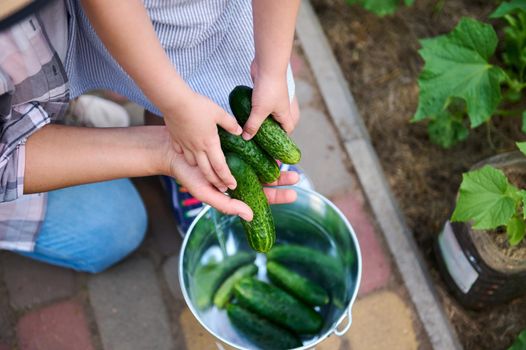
{"x":356,"y":141}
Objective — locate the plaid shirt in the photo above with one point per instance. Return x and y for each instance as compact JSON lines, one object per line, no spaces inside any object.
{"x":33,"y":92}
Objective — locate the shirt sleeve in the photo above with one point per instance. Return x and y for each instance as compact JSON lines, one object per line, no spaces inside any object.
{"x":33,"y":91}
{"x":15,"y":127}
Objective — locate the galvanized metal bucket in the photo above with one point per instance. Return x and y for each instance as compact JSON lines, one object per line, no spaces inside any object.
{"x":312,"y":221}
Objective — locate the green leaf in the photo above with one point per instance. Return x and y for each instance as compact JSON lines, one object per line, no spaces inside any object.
{"x":520,"y":342}
{"x":445,"y":130}
{"x":508,"y":7}
{"x":485,"y":199}
{"x":456,"y":65}
{"x":521,"y":146}
{"x":515,"y":230}
{"x":380,"y":7}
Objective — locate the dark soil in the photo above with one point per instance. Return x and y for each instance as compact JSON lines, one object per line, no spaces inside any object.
{"x":517,"y":252}
{"x":380,"y":61}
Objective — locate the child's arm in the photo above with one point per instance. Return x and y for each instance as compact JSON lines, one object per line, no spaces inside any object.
{"x":274,"y":22}
{"x":125,"y":29}
{"x":58,"y":156}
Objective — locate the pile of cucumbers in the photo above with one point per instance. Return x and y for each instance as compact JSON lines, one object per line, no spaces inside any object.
{"x":273,"y":316}
{"x":252,"y":163}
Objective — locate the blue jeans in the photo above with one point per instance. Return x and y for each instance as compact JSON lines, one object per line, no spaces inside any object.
{"x":91,"y":227}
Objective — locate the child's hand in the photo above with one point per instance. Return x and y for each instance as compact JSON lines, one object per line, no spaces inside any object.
{"x":193,"y":127}
{"x":270,"y":96}
{"x":193,"y":179}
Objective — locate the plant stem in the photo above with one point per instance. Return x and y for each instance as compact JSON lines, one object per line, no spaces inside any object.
{"x":488,"y":136}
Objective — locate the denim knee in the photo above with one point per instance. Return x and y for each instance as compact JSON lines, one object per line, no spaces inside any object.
{"x":91,"y":227}
{"x":123,"y":234}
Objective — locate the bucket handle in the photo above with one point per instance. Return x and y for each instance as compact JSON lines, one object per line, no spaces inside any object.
{"x":340,"y":333}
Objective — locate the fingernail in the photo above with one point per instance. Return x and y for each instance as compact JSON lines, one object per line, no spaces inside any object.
{"x":223,"y":188}
{"x":245,"y":217}
{"x":239,"y":130}
{"x":246,"y":136}
{"x":233,"y":185}
{"x":296,"y":176}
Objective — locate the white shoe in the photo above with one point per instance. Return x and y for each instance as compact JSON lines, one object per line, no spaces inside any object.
{"x":94,"y":111}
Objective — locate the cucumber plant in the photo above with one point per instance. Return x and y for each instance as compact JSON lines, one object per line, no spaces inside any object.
{"x":461,"y":87}
{"x":520,"y":342}
{"x":488,"y":200}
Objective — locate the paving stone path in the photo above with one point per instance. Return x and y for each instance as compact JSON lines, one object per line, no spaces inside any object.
{"x":138,"y":305}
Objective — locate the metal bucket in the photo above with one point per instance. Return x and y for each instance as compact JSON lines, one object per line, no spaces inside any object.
{"x":312,"y":221}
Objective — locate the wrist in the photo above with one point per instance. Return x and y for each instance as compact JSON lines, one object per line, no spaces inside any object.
{"x":169,"y":92}
{"x":174,"y":104}
{"x":153,"y":150}
{"x":164,"y":155}
{"x":271,"y":71}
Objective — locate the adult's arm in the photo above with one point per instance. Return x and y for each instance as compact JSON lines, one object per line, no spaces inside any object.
{"x":59,"y":156}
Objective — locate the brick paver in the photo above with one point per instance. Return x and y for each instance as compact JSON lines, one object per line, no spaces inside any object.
{"x":297,"y":63}
{"x":382,"y":321}
{"x":128,"y":307}
{"x":161,"y":221}
{"x":57,"y":327}
{"x":305,"y":92}
{"x":195,"y":336}
{"x":332,"y":343}
{"x":376,"y":269}
{"x":171,"y":275}
{"x":318,"y":143}
{"x":31,"y":283}
{"x":7,"y":318}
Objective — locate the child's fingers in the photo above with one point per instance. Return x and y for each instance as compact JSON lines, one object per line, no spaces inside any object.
{"x":189,"y":156}
{"x":229,"y":123}
{"x":218,"y":162}
{"x":256,"y":118}
{"x":208,"y":172}
{"x":280,"y":196}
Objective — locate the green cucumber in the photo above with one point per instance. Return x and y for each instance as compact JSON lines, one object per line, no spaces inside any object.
{"x":324,"y":269}
{"x":261,"y":232}
{"x":264,"y":165}
{"x":262,"y":332}
{"x":297,"y":285}
{"x":207,"y":278}
{"x":277,"y":306}
{"x":270,"y":136}
{"x":224,"y":293}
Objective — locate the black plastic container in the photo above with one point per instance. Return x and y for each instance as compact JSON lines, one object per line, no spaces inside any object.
{"x":474,"y":269}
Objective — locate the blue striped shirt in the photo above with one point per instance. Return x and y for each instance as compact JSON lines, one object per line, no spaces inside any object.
{"x":209,"y":42}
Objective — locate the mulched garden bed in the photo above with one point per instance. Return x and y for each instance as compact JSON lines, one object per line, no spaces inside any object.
{"x":380,"y":61}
